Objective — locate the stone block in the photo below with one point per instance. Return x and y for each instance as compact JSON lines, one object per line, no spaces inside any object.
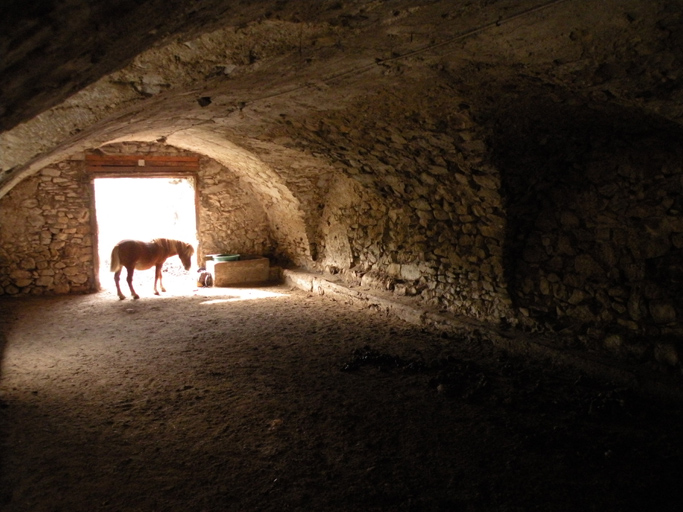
{"x":662,"y":312}
{"x":249,"y":270}
{"x":20,"y":274}
{"x":666,"y":353}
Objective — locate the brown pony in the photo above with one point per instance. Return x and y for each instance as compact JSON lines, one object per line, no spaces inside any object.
{"x":134,"y":254}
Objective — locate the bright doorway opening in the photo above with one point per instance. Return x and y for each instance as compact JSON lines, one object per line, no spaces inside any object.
{"x":144,"y":209}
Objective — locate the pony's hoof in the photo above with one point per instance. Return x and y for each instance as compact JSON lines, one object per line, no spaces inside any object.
{"x":121,"y":297}
{"x":136,"y":296}
{"x":156,"y":293}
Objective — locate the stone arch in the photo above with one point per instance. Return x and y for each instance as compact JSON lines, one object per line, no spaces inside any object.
{"x":284,"y":209}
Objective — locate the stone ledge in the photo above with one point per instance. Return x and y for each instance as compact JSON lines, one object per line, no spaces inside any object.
{"x":555,"y":349}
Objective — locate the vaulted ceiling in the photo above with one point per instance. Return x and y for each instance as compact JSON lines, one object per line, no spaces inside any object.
{"x":75,"y":74}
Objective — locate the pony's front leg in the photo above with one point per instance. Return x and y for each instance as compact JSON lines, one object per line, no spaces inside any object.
{"x":157,"y":277}
{"x":129,"y":279}
{"x":117,"y":278}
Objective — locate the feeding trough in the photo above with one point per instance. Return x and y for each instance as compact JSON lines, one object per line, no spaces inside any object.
{"x":224,"y":257}
{"x":237,"y":269}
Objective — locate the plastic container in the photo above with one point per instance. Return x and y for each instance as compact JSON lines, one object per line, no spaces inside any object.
{"x":225,"y":257}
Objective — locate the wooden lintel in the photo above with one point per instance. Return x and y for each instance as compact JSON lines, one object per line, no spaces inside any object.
{"x":142,"y":170}
{"x":140,"y":163}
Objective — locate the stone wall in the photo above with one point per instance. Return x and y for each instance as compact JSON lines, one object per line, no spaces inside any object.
{"x":416,"y":206}
{"x":588,"y":240}
{"x":45,"y":233}
{"x":603,"y":254}
{"x":578,"y":229}
{"x":231,"y":220}
{"x":46,"y":239}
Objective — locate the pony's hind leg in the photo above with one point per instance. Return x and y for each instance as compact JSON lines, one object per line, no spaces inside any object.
{"x":117,"y":278}
{"x":129,"y":279}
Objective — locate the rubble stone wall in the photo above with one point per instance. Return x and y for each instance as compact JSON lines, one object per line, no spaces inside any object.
{"x":230,"y":218}
{"x":584,"y":236}
{"x":415,"y":207}
{"x":45,"y":233}
{"x":418,"y":208}
{"x":602,"y":251}
{"x":46,"y":237}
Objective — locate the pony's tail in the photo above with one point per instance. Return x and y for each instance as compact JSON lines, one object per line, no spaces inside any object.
{"x":115,"y":262}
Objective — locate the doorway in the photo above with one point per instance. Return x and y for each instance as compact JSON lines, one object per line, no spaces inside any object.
{"x":143,"y":208}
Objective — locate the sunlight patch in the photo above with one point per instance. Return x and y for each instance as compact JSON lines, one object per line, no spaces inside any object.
{"x":244,"y":294}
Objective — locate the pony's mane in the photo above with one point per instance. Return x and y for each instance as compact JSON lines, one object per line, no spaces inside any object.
{"x":178,"y":245}
{"x":166,"y":243}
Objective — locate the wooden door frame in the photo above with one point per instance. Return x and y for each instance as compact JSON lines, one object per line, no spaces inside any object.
{"x":136,"y":166}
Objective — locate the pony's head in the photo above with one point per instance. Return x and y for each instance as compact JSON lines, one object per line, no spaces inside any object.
{"x":185,"y":252}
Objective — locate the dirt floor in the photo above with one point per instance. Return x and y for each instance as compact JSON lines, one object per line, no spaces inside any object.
{"x":274,"y":399}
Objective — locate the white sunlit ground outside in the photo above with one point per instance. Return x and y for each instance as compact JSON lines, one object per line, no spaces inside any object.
{"x":144,"y":209}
